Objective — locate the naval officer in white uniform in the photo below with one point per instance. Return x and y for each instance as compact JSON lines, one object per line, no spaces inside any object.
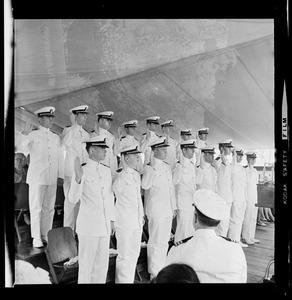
{"x":160,"y":205}
{"x":129,"y":215}
{"x":202,"y":135}
{"x":214,"y":258}
{"x":73,"y":138}
{"x":46,"y":170}
{"x":92,"y":184}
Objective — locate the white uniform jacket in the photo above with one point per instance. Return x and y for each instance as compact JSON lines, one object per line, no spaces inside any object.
{"x":184,"y":180}
{"x":224,"y":180}
{"x":215,"y":259}
{"x":207,"y":177}
{"x":128,"y":207}
{"x":159,"y":190}
{"x":198,"y":152}
{"x":96,"y":200}
{"x":73,"y":138}
{"x":46,"y":156}
{"x":252,"y":179}
{"x":239,"y":185}
{"x":144,"y":145}
{"x":171,"y":153}
{"x":111,"y":152}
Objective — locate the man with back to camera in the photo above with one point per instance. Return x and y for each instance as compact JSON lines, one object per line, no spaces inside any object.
{"x":73,"y":138}
{"x":223,"y":167}
{"x":129,"y":215}
{"x":92,"y":184}
{"x":45,"y":172}
{"x":166,"y":128}
{"x":250,"y":217}
{"x":159,"y":204}
{"x":102,"y":126}
{"x":184,"y":180}
{"x":148,"y":137}
{"x":215,"y":259}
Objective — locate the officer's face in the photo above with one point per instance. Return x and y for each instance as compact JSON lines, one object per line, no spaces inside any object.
{"x":188,"y":152}
{"x":160,"y":153}
{"x":152,"y":126}
{"x":130,"y":130}
{"x":166,"y":129}
{"x":185,"y":137}
{"x":98,"y":153}
{"x":227,"y":150}
{"x":132,"y":159}
{"x":46,"y":121}
{"x":251,"y":161}
{"x":209,"y":157}
{"x":81,"y":119}
{"x":239,"y":158}
{"x":105,"y":123}
{"x":203,"y":136}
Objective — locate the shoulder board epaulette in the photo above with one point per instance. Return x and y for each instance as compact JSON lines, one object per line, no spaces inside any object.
{"x":119,"y":170}
{"x":136,"y":139}
{"x":122,"y":137}
{"x":110,"y":132}
{"x":91,"y":131}
{"x":182,"y":241}
{"x":158,"y":135}
{"x":148,"y":164}
{"x":35,"y":129}
{"x":85,"y":130}
{"x":68,"y":126}
{"x":104,"y":165}
{"x":217,"y":158}
{"x":83,"y":164}
{"x":228,"y":239}
{"x":166,"y":162}
{"x":144,"y":133}
{"x":245,"y":166}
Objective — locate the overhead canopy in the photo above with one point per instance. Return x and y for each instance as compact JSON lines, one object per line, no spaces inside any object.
{"x":199,"y":73}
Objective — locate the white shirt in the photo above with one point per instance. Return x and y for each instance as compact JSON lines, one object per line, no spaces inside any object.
{"x":214,"y":259}
{"x":252,"y":181}
{"x":224,"y":180}
{"x":96,"y":199}
{"x":159,"y":190}
{"x":207,"y":177}
{"x":46,"y":156}
{"x":144,"y":145}
{"x":239,"y":184}
{"x":73,"y":138}
{"x":111,"y":152}
{"x":184,"y":180}
{"x":128,"y":207}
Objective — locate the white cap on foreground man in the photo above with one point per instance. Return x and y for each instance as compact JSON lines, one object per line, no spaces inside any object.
{"x":216,"y":259}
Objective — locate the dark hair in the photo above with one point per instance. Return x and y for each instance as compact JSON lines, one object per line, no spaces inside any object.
{"x":204,"y":220}
{"x":176,"y":273}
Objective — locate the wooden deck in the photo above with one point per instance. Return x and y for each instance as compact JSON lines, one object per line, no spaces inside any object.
{"x":258,"y":256}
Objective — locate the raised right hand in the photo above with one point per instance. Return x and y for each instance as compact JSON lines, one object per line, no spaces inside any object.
{"x":28,"y":128}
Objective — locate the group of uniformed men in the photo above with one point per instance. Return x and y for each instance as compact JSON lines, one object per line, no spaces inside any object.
{"x":105,"y":178}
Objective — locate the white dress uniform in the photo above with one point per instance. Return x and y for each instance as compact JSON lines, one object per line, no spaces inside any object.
{"x":159,"y":208}
{"x":46,"y":166}
{"x":207,"y":177}
{"x":184,"y":180}
{"x":201,"y":144}
{"x":215,"y":259}
{"x":250,"y":217}
{"x":128,"y":222}
{"x":239,"y":193}
{"x":93,"y":221}
{"x":171,"y":152}
{"x":73,"y":138}
{"x":111,"y":155}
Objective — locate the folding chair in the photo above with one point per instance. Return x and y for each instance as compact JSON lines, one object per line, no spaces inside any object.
{"x":62,"y":246}
{"x":21,"y":204}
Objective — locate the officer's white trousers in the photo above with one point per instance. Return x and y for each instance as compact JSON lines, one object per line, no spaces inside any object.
{"x":42,"y":200}
{"x":93,"y":258}
{"x":223,"y":226}
{"x":184,"y":227}
{"x":236,"y":220}
{"x":250,"y":221}
{"x":128,"y":247}
{"x":159,"y":233}
{"x":70,"y":210}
